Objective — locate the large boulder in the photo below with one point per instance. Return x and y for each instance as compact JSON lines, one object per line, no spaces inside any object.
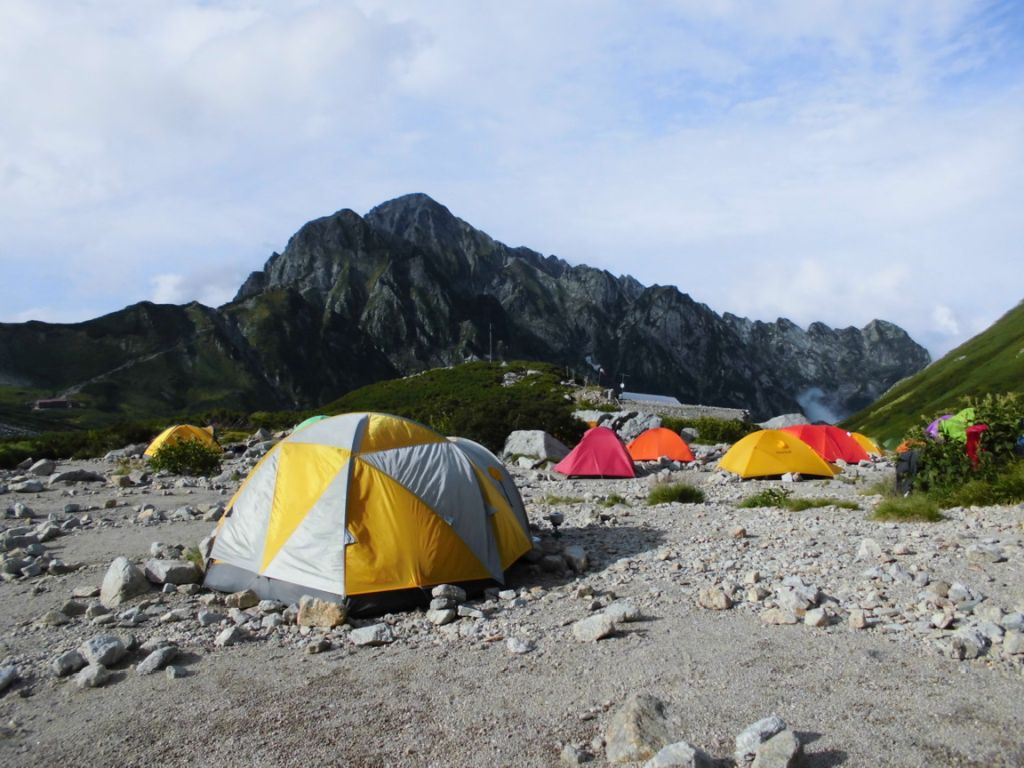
{"x":533,"y":444}
{"x":122,"y":582}
{"x":785,"y":420}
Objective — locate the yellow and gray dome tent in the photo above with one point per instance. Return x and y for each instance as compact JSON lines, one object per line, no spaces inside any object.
{"x":181,"y":433}
{"x":365,"y":507}
{"x":770,"y":452}
{"x":866,"y":443}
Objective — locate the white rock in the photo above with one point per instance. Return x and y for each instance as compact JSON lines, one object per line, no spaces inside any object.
{"x":375,"y":634}
{"x":593,"y":628}
{"x":755,"y":735}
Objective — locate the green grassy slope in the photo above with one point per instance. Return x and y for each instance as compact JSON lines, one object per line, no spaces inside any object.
{"x":991,"y":362}
{"x":470,"y":401}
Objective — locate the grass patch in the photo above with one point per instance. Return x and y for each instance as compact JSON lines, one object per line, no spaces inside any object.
{"x":769,"y":497}
{"x":613,"y":500}
{"x":781,"y":497}
{"x":553,"y":500}
{"x":799,"y":505}
{"x":680,"y":493}
{"x":916,"y":508}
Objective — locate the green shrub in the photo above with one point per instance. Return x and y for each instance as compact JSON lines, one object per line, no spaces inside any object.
{"x":680,"y":493}
{"x":712,"y":430}
{"x":1005,"y":488}
{"x":799,"y":505}
{"x":914,"y":508}
{"x":769,"y":497}
{"x":186,"y":457}
{"x":945,"y":467}
{"x":781,"y":497}
{"x":612,"y":500}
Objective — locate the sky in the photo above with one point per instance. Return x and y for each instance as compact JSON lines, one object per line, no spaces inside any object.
{"x":818,"y":160}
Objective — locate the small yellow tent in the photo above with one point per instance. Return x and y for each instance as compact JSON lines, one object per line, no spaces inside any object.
{"x":179,"y":434}
{"x":772,"y":452}
{"x":866,"y":443}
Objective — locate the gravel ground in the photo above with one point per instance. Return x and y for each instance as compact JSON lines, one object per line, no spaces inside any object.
{"x":902,"y":691}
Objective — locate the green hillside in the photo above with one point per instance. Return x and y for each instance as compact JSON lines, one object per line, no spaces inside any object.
{"x":991,"y":362}
{"x":474,"y":400}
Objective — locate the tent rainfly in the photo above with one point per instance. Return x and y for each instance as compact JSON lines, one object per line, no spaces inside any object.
{"x":368,"y":508}
{"x":657,"y":443}
{"x":770,"y":452}
{"x":599,"y":454}
{"x":181,"y":433}
{"x":829,"y":442}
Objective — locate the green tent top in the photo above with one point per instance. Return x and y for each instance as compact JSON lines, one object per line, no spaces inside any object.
{"x":956,"y":427}
{"x":307,"y":422}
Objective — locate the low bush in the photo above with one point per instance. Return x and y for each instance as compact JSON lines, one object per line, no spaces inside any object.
{"x":769,"y":497}
{"x":914,"y":508}
{"x":782,"y":498}
{"x":680,"y":493}
{"x":186,"y":457}
{"x":612,"y":500}
{"x":799,"y":505}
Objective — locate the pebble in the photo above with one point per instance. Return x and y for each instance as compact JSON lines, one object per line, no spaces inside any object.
{"x":593,"y":628}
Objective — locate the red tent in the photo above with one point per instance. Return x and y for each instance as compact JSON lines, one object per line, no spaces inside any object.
{"x":655,"y":443}
{"x":599,"y":454}
{"x":829,"y":442}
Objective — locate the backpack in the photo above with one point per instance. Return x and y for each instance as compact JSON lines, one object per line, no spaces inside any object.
{"x":906,"y":470}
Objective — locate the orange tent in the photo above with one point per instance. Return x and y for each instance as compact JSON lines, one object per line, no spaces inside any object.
{"x":656,"y":443}
{"x":829,"y":442}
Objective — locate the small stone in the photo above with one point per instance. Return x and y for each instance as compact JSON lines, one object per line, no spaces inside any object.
{"x":209,"y":618}
{"x":230,"y":636}
{"x":858,"y":619}
{"x":314,"y":612}
{"x":637,"y":731}
{"x":52,"y":619}
{"x":442,"y":603}
{"x":1013,"y":643}
{"x":442,"y":617}
{"x":242,"y":600}
{"x":739,"y":532}
{"x":320,"y":646}
{"x":816,"y":618}
{"x":68,"y":663}
{"x":122,"y":582}
{"x":593,"y":628}
{"x":172,"y":672}
{"x":714,"y":599}
{"x":375,"y":634}
{"x":576,"y":557}
{"x":8,"y":676}
{"x":518,"y":645}
{"x":93,"y":676}
{"x":85,"y":592}
{"x":157,"y":660}
{"x":103,"y":650}
{"x":680,"y":755}
{"x":172,"y":572}
{"x":573,"y":756}
{"x":43,"y":468}
{"x":450,"y":591}
{"x":869,"y":549}
{"x":968,"y":644}
{"x":780,"y":751}
{"x":778,"y":616}
{"x":754,"y":735}
{"x":622,"y":611}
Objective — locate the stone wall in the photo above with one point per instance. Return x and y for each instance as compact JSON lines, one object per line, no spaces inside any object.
{"x":687,"y":411}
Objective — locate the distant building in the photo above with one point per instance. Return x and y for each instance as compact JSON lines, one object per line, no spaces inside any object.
{"x":639,"y":397}
{"x":54,"y":404}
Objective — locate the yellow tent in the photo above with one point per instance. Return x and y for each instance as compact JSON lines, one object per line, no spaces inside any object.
{"x":772,"y":452}
{"x":368,"y":506}
{"x":866,"y":443}
{"x":179,"y":434}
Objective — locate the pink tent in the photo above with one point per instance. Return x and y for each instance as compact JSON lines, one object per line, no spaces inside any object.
{"x":599,"y":454}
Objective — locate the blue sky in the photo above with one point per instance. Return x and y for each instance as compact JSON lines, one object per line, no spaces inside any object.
{"x":817,"y":160}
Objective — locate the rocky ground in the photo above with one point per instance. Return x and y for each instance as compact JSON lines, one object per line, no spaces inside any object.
{"x":629,"y":628}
